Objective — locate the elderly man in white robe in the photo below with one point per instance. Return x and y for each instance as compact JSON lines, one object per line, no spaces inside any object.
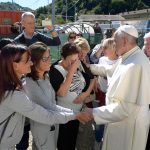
{"x":126,"y":113}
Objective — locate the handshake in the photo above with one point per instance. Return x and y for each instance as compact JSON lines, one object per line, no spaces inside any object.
{"x":85,"y":115}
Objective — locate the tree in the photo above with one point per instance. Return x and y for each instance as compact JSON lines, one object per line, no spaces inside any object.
{"x":118,"y":6}
{"x":135,"y":4}
{"x":41,"y":10}
{"x":105,"y":5}
{"x":146,"y":2}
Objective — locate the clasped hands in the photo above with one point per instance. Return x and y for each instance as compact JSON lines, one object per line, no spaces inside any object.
{"x":85,"y":115}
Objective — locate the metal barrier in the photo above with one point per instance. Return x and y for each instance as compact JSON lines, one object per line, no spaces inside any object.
{"x":55,"y":50}
{"x":88,"y":33}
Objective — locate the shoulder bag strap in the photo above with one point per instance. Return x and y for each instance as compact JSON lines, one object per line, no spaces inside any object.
{"x":5,"y":126}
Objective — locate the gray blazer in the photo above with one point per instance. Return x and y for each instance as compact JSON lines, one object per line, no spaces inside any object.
{"x":42,"y":93}
{"x":18,"y":102}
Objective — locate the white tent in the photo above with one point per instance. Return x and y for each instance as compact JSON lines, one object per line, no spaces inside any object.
{"x":79,"y":28}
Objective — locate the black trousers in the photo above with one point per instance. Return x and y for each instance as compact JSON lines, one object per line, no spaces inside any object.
{"x":148,"y":142}
{"x":68,"y":135}
{"x":24,"y":143}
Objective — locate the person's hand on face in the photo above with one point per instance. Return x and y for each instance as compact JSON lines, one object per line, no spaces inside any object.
{"x":74,"y":65}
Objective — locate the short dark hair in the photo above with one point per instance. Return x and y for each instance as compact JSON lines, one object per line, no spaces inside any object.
{"x":5,"y":41}
{"x":69,"y":49}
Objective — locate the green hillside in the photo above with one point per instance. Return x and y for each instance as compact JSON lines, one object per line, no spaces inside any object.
{"x":79,"y":7}
{"x":14,"y":6}
{"x":91,"y":7}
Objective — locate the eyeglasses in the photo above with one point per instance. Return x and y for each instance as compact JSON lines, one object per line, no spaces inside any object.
{"x":45,"y":59}
{"x":72,"y":37}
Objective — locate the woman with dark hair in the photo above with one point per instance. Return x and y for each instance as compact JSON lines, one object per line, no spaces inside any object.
{"x":5,"y":41}
{"x":68,"y":82}
{"x":71,"y":37}
{"x":42,"y":93}
{"x":14,"y":103}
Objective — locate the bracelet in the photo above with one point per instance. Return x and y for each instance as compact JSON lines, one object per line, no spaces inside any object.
{"x":53,"y":30}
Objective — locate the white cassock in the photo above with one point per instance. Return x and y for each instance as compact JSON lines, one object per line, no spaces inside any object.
{"x":126,"y":113}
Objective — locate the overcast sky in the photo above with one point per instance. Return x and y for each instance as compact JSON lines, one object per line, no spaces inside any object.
{"x":33,"y":4}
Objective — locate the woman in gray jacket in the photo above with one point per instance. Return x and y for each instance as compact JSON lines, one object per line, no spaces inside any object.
{"x":41,"y":92}
{"x":14,"y":103}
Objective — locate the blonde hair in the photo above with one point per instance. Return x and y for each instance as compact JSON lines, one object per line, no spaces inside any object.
{"x":82,"y":44}
{"x":108,"y":43}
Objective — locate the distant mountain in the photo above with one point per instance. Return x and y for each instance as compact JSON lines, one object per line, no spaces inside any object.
{"x":14,"y":6}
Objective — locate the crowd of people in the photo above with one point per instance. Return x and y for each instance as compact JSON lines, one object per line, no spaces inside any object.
{"x":79,"y":100}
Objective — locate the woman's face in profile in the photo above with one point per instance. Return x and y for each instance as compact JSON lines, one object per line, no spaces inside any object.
{"x":82,"y":54}
{"x":23,"y":66}
{"x":45,"y":62}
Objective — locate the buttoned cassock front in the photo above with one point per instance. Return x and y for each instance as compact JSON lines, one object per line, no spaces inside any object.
{"x":126,"y":113}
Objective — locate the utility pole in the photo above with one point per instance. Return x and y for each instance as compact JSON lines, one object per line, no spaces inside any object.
{"x":75,"y":13}
{"x":48,"y":9}
{"x":66,"y":11}
{"x":53,"y":12}
{"x":13,"y":4}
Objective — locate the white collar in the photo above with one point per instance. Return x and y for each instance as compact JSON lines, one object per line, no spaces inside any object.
{"x":26,"y":36}
{"x":129,"y":53}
